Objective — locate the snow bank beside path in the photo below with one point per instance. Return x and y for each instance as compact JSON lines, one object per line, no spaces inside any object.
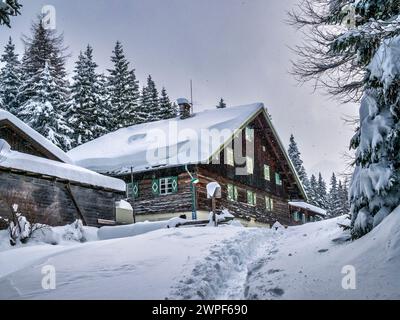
{"x":214,"y":263}
{"x":142,"y":267}
{"x":115,"y":232}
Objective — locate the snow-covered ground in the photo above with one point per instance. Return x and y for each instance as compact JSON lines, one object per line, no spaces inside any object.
{"x":228,"y":262}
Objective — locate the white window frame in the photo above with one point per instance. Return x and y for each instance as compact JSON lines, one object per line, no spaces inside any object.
{"x":278,"y":179}
{"x":269,"y":204}
{"x":250,"y":165}
{"x":166,"y":186}
{"x":230,"y":159}
{"x":249,"y":134}
{"x":267,"y":168}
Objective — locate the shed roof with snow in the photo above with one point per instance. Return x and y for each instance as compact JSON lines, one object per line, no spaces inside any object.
{"x":309,"y":207}
{"x":46,"y":147}
{"x":41,"y":157}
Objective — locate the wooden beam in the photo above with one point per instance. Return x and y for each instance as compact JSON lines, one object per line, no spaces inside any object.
{"x":68,"y":187}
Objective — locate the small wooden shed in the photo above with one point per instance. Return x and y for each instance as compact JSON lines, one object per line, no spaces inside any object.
{"x":302,"y":212}
{"x":45,"y":183}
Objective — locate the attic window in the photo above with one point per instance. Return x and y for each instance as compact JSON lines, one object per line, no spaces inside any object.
{"x":250,"y":165}
{"x":249,"y":134}
{"x":229,"y":157}
{"x":278,"y":179}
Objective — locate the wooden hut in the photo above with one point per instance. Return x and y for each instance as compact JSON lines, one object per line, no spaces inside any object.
{"x":44,"y":182}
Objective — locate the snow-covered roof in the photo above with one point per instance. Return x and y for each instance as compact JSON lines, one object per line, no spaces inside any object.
{"x":25,"y":162}
{"x":117,"y":152}
{"x":184,"y":143}
{"x":34,"y":135}
{"x":307,"y":206}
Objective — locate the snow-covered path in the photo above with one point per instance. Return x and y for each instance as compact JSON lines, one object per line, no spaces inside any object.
{"x":208,"y":263}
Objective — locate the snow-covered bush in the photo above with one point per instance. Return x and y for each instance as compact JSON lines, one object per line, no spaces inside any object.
{"x":75,"y":232}
{"x":19,"y":228}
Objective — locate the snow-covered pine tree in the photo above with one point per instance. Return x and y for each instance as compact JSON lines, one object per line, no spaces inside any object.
{"x":167,"y":109}
{"x":150,"y":107}
{"x":295,"y":157}
{"x":334,"y":197}
{"x":45,"y":53}
{"x":221,"y":104}
{"x":9,"y":8}
{"x":85,"y":107}
{"x":353,"y":60}
{"x":104,"y":111}
{"x":344,"y":197}
{"x":321,"y":193}
{"x":40,"y":111}
{"x":313,"y":191}
{"x":375,"y":187}
{"x":10,"y":78}
{"x":123,"y":90}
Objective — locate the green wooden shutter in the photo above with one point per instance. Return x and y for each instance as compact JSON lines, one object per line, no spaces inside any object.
{"x":174,"y":184}
{"x":230,"y":192}
{"x":235,"y":193}
{"x":155,"y":187}
{"x":132,"y":190}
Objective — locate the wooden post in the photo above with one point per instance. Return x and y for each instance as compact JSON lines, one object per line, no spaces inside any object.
{"x":214,"y":209}
{"x":133,"y":197}
{"x":69,"y":189}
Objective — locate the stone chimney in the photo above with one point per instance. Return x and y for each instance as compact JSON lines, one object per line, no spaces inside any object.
{"x":185,"y":108}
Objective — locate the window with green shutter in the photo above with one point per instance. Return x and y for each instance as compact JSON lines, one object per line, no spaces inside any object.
{"x":251,"y":198}
{"x":132,"y":190}
{"x":235,"y":193}
{"x":230,"y":192}
{"x":278,"y":179}
{"x":269,"y":204}
{"x":267,"y":173}
{"x":168,"y":185}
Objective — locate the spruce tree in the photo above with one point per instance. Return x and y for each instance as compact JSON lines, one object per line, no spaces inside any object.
{"x":221,"y":104}
{"x":313,"y":191}
{"x":10,"y":78}
{"x":334,"y":198}
{"x":321,"y":193}
{"x":9,"y":8}
{"x":123,"y":90}
{"x":295,"y":157}
{"x":86,"y":105}
{"x":150,"y":103}
{"x":40,"y":111}
{"x":44,"y":62}
{"x":344,"y":197}
{"x":375,"y":187}
{"x":167,"y":109}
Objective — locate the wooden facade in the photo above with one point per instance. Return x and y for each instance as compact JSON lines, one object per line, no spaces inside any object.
{"x":45,"y":198}
{"x":54,"y":202}
{"x":21,"y":142}
{"x":271,"y":197}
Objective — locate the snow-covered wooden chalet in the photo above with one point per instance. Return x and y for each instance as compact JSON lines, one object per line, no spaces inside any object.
{"x":237,"y":147}
{"x":43,"y":181}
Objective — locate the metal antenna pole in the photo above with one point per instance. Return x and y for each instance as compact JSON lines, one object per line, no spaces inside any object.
{"x":191,"y":94}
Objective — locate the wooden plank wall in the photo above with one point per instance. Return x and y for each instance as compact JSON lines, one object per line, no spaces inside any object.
{"x":148,"y":203}
{"x":240,"y":208}
{"x":48,"y":201}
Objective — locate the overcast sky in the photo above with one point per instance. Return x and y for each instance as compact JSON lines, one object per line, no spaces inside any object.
{"x":235,"y":49}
